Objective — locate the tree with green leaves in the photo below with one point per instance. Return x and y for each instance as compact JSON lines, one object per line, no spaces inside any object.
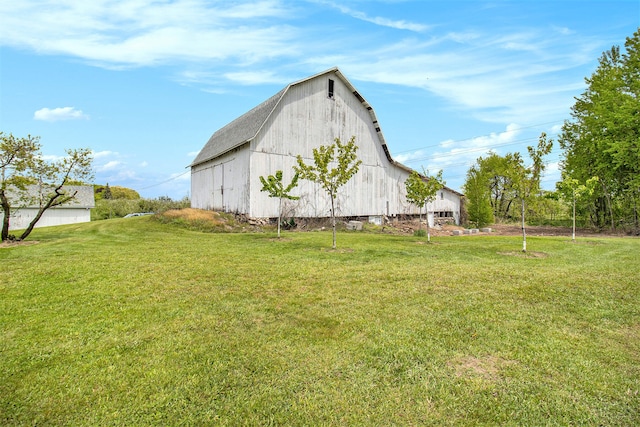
{"x":23,"y":168}
{"x":422,"y":190}
{"x":333,"y":166}
{"x":527,"y":179}
{"x":274,"y":186}
{"x":573,"y":190}
{"x":602,"y":137}
{"x":17,"y":156}
{"x":478,"y":195}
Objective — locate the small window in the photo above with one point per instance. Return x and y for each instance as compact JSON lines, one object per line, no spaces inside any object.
{"x":442,"y":195}
{"x":330,"y":88}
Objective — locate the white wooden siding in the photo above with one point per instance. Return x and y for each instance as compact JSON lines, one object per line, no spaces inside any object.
{"x":20,"y":219}
{"x":222,"y":183}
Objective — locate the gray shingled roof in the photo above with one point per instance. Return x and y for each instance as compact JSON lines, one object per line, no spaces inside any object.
{"x":83,"y":199}
{"x":239,"y":131}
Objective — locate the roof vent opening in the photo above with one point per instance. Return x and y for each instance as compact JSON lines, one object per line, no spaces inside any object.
{"x":330,"y":92}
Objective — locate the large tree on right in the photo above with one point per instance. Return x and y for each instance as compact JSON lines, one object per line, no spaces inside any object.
{"x":602,"y":139}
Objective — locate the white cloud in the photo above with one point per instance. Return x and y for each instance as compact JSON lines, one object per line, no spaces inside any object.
{"x":147,"y":32}
{"x":399,"y":24}
{"x":495,"y":75}
{"x":104,"y":153}
{"x":111,"y":165}
{"x":460,"y":152}
{"x":57,"y":114}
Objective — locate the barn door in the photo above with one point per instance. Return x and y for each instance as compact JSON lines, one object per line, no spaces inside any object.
{"x":222,"y":185}
{"x":218,"y":187}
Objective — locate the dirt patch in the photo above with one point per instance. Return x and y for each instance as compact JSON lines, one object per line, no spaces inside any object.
{"x":488,"y":367}
{"x":547,"y":230}
{"x":406,"y":226}
{"x":14,"y":243}
{"x":338,"y":250}
{"x":528,"y":254}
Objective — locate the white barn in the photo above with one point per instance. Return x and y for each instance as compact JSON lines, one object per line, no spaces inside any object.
{"x":301,"y":117}
{"x":74,"y":211}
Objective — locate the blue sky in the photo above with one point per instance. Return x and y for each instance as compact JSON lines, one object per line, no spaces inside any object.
{"x":144,"y":83}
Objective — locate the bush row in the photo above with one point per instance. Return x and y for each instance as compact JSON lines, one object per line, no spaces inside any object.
{"x":118,"y":208}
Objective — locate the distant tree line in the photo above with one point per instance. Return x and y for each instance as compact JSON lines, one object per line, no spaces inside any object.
{"x":117,"y":202}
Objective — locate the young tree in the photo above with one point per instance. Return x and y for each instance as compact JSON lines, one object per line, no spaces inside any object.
{"x":52,"y":177}
{"x":345,"y":164}
{"x":422,"y":190}
{"x":274,"y":186}
{"x":17,"y":156}
{"x":22,"y":165}
{"x":527,"y":179}
{"x":575,"y":191}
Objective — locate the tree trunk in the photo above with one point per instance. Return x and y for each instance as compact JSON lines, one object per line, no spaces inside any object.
{"x":428,"y":228}
{"x":573,"y":232}
{"x":279,"y":215}
{"x":333,"y":222}
{"x":608,"y":202}
{"x":524,"y":232}
{"x":6,"y":209}
{"x":51,"y":202}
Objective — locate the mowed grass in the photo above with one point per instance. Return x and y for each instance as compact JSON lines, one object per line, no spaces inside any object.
{"x":133,"y":322}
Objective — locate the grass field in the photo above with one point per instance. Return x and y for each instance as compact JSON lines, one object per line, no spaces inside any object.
{"x":133,"y":322}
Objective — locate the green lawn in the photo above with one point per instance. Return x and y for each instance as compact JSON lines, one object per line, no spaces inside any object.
{"x":132,"y":322}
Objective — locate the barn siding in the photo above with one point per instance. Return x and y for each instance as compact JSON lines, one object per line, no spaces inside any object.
{"x":307,"y":118}
{"x":20,"y":219}
{"x":222,"y":183}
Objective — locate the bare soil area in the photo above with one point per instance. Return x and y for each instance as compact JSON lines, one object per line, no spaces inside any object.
{"x":409,"y":227}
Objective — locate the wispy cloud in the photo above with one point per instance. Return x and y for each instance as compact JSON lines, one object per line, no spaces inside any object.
{"x":379,"y":20}
{"x":495,"y":76}
{"x":103,"y":154}
{"x":58,"y":114}
{"x":109,"y":166}
{"x":147,"y":32}
{"x":450,"y":152}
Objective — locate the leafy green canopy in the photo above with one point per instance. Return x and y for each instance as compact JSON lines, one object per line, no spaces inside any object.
{"x":603,"y":137}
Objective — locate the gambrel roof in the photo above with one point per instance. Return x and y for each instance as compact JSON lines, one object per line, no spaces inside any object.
{"x":246,"y":127}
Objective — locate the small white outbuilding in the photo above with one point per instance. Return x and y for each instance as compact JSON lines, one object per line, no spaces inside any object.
{"x":74,"y":211}
{"x":302,"y":116}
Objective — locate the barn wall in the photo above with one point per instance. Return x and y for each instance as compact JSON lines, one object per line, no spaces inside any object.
{"x":307,"y":118}
{"x":20,"y":219}
{"x":222,"y":183}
